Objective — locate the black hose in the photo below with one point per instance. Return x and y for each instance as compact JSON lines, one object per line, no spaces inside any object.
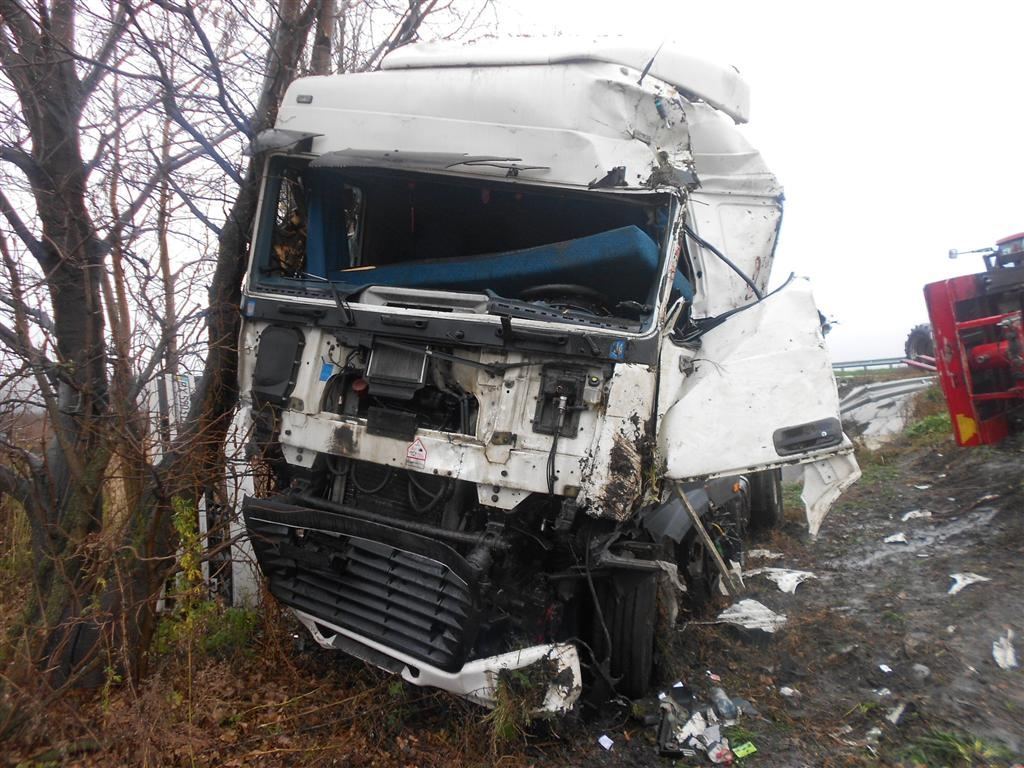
{"x":372,"y":491}
{"x":434,"y":498}
{"x":551,"y":461}
{"x":743,"y":275}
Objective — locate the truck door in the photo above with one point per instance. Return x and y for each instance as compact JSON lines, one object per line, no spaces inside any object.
{"x":755,"y":391}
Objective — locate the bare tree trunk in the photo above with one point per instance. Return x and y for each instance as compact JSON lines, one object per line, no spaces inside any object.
{"x":320,"y":61}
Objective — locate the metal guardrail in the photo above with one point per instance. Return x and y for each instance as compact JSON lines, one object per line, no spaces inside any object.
{"x":883,"y":391}
{"x":866,"y":365}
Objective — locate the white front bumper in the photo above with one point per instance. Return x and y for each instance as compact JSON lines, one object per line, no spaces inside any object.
{"x":478,"y":679}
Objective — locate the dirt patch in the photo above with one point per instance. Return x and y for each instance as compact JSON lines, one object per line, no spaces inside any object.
{"x":284,"y":702}
{"x":876,"y":637}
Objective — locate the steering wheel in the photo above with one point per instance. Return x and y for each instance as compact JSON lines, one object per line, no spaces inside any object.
{"x":569,"y":296}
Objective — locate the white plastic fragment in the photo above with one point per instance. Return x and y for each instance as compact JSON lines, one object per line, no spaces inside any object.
{"x":896,"y":538}
{"x":1003,"y":651}
{"x":751,"y":614}
{"x":882,"y":692}
{"x":786,"y":579}
{"x":763,"y":554}
{"x":961,"y":580}
{"x":896,"y":713}
{"x":605,"y":742}
{"x":695,"y":726}
{"x":885,"y":668}
{"x":915,"y":513}
{"x":923,"y":487}
{"x":789,"y":693}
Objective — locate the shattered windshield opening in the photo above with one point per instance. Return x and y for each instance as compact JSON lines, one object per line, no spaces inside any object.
{"x":412,"y":239}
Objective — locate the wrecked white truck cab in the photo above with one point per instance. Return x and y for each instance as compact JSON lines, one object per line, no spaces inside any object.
{"x":510,"y":364}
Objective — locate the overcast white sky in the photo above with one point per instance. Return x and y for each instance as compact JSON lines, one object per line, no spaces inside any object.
{"x":897,"y":129}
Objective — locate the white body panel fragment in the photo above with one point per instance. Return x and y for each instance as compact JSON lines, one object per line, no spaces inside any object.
{"x":760,"y":370}
{"x":478,"y":679}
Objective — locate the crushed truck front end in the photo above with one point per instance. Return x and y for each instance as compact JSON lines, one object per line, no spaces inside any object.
{"x":496,"y":376}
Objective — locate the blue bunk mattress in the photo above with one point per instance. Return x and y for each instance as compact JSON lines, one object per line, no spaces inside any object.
{"x":621,"y":263}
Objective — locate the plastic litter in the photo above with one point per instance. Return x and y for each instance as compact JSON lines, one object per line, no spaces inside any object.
{"x":983,"y":499}
{"x":789,"y":693}
{"x":923,"y":487}
{"x":605,"y":742}
{"x":713,"y":677}
{"x":720,"y":754}
{"x":688,"y":728}
{"x":915,"y":514}
{"x":745,"y":749}
{"x":751,"y":614}
{"x":786,"y":579}
{"x":1003,"y":651}
{"x":896,"y":713}
{"x":723,"y":704}
{"x":873,"y":735}
{"x":763,"y":554}
{"x":896,"y":538}
{"x":885,"y":668}
{"x":921,"y":671}
{"x":961,"y":580}
{"x":882,"y":692}
{"x":745,"y":708}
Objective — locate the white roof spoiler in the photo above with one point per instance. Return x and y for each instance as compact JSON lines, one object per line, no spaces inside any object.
{"x":720,"y":86}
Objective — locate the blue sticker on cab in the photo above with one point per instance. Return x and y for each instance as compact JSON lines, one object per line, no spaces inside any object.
{"x":326,"y":370}
{"x":618,"y":350}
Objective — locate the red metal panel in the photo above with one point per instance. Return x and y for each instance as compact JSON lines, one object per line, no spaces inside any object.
{"x":953,"y":361}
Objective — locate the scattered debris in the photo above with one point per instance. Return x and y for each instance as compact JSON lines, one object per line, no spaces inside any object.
{"x":712,"y":677}
{"x":1003,"y":651}
{"x":751,"y":614}
{"x":873,"y":735}
{"x":915,"y":514}
{"x":961,"y":580}
{"x":983,"y":499}
{"x":786,"y":579}
{"x":885,"y":668}
{"x":896,"y":538}
{"x":689,"y":727}
{"x":720,"y":754}
{"x":763,"y":554}
{"x":921,"y":671}
{"x":746,"y":749}
{"x":789,"y":693}
{"x":605,"y":742}
{"x":896,"y":713}
{"x":844,"y":730}
{"x":882,"y":692}
{"x":723,"y":705}
{"x":923,"y":487}
{"x":746,"y":708}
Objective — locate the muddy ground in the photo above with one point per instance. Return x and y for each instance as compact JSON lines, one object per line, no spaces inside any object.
{"x":278,"y":701}
{"x":874,"y":604}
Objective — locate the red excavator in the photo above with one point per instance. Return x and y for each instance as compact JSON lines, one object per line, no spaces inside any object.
{"x":979,"y":344}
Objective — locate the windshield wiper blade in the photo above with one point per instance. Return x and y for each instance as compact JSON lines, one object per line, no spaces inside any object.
{"x":341,"y":300}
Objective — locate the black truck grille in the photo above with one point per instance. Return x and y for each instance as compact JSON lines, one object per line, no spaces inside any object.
{"x":408,"y":592}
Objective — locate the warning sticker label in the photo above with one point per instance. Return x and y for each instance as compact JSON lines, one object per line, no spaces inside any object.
{"x":416,"y":451}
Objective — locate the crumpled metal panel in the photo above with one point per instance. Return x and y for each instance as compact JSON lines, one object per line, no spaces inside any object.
{"x":717,"y":84}
{"x":761,"y":370}
{"x":568,"y":124}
